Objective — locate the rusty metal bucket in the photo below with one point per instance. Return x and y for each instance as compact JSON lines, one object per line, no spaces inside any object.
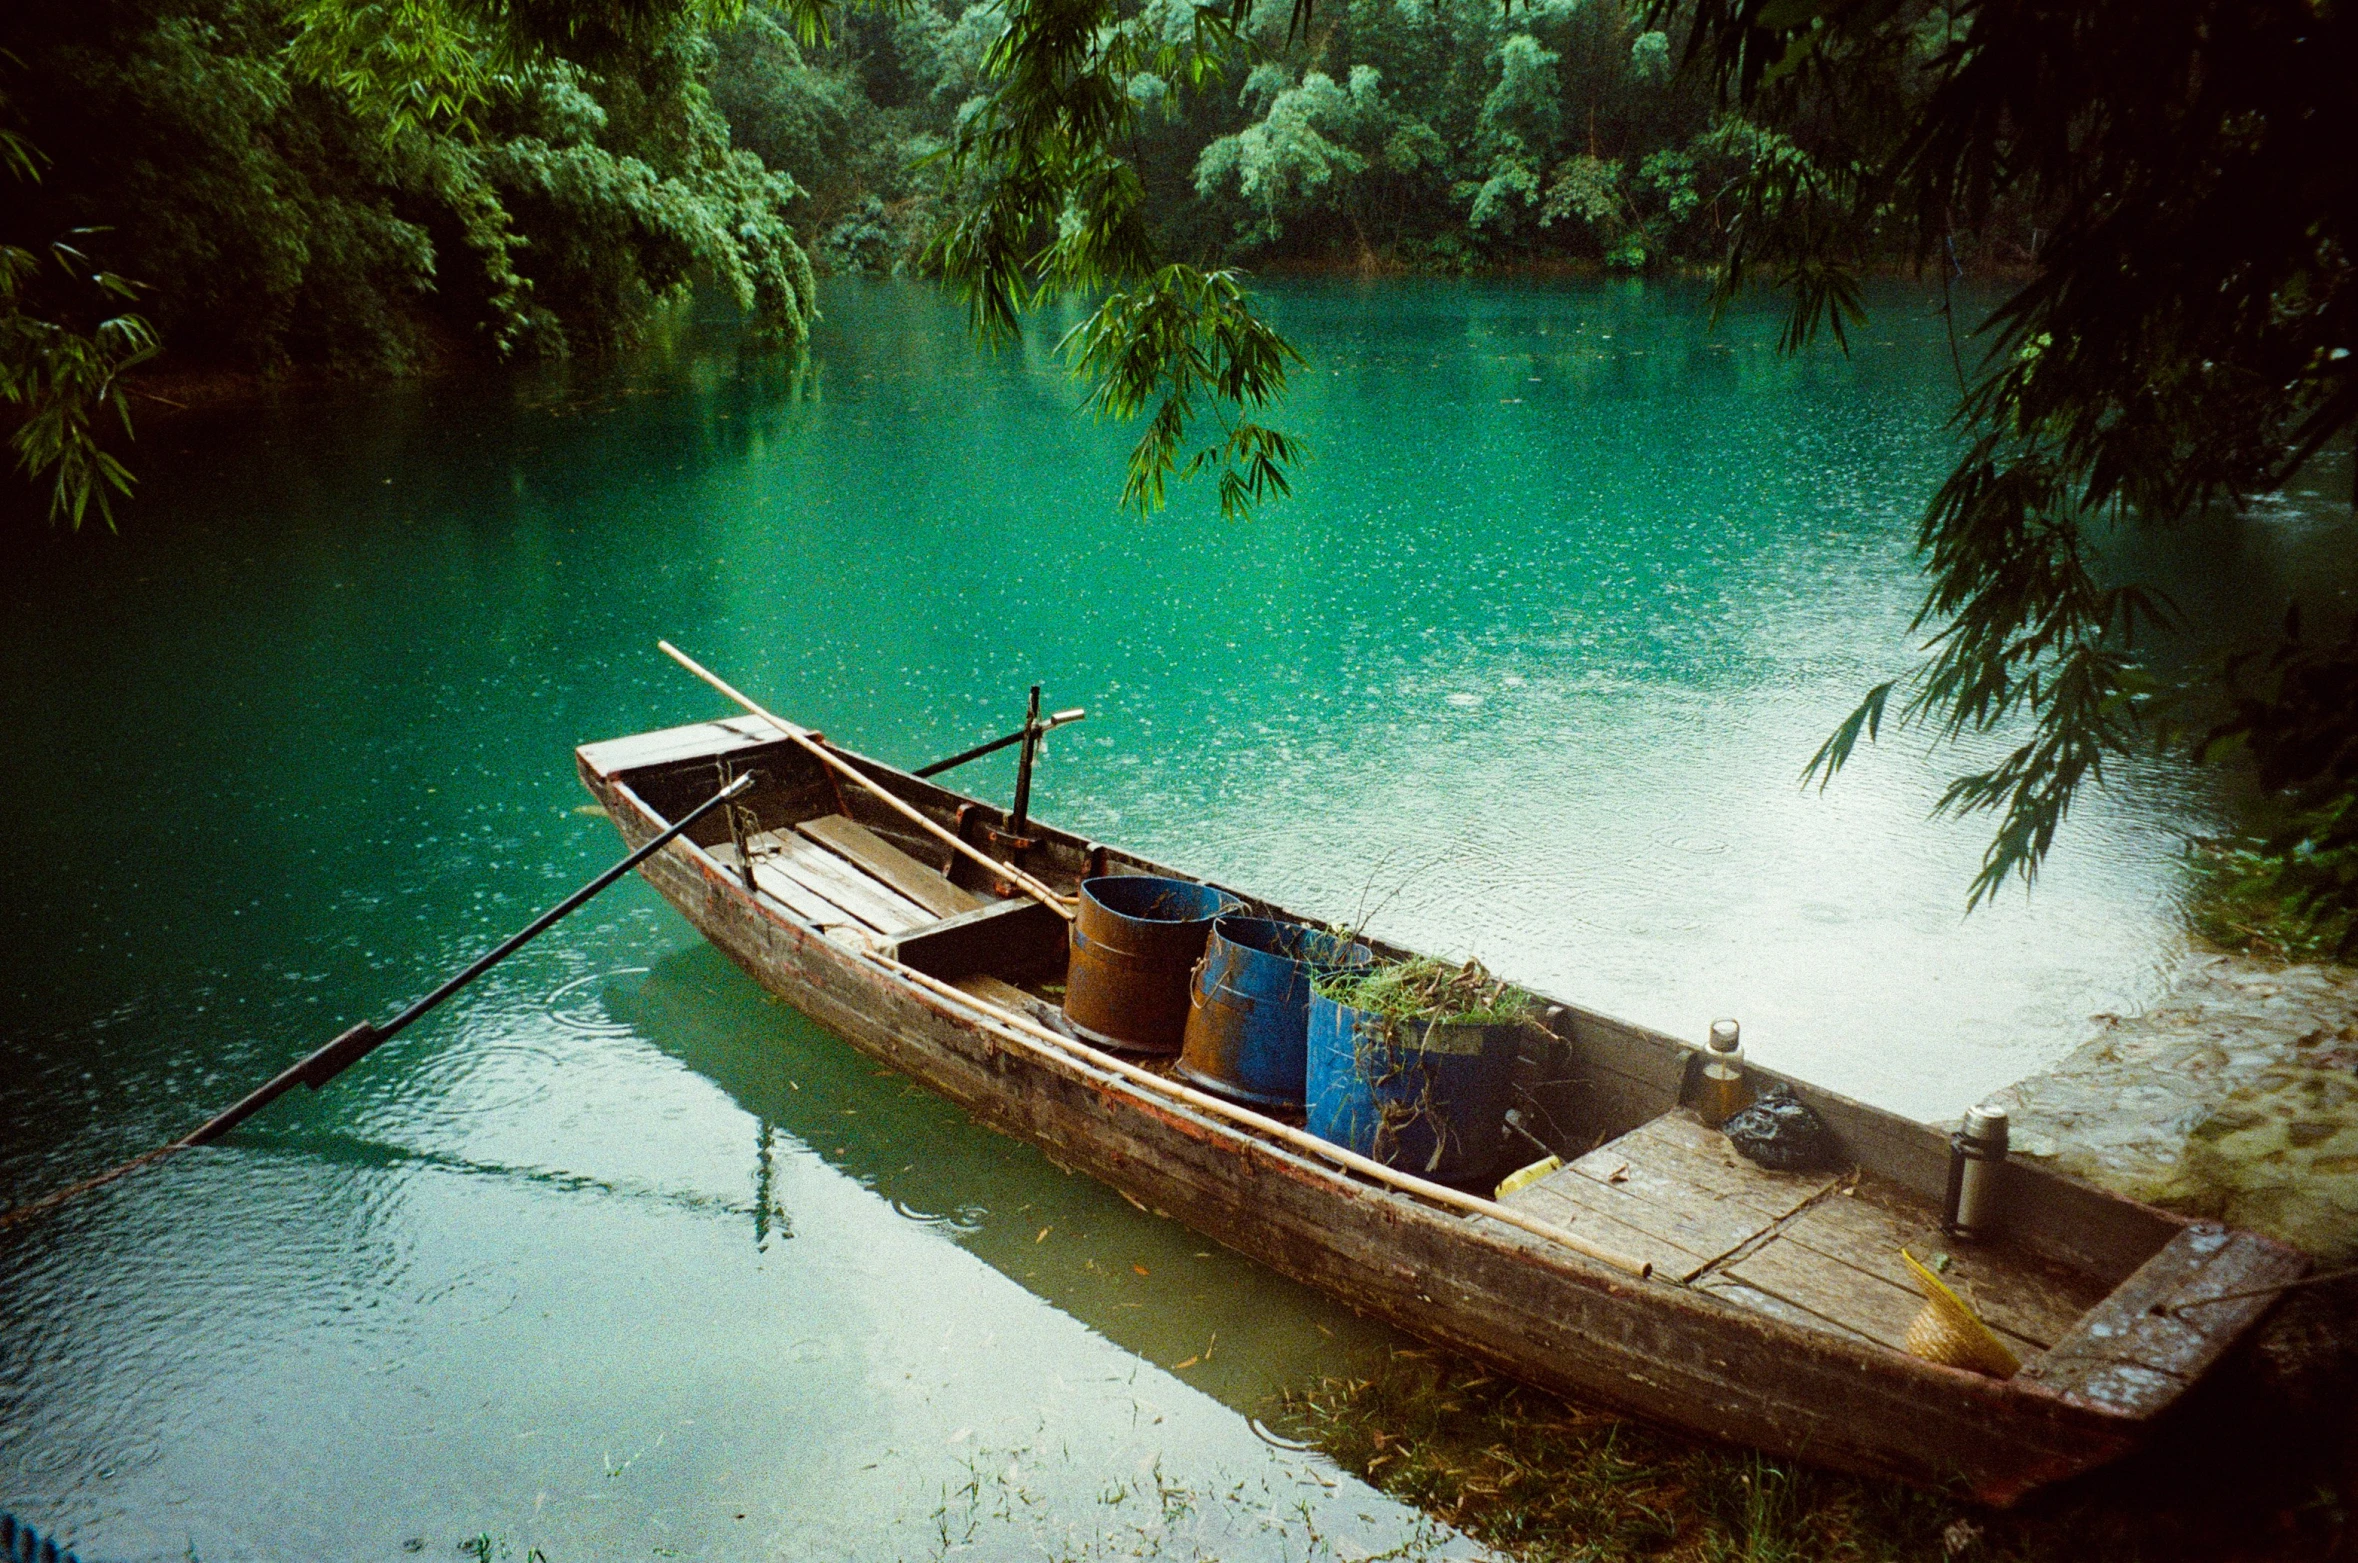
{"x":1135,"y":940}
{"x":1248,"y":1016}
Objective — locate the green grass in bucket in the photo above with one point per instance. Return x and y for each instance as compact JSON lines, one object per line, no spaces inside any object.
{"x":1427,"y":989}
{"x":1388,"y":1054}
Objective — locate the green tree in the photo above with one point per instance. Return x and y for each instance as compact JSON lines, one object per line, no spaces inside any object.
{"x":2184,"y":338}
{"x":62,"y":380}
{"x":1298,"y":155}
{"x":361,"y":185}
{"x":1519,"y":120}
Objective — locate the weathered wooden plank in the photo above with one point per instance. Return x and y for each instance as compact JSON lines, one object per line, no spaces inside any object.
{"x":2078,"y":1225}
{"x":1668,"y":1259}
{"x":889,"y":863}
{"x":2143,"y":1326}
{"x":790,"y":786}
{"x":1590,"y":1105}
{"x":808,"y":904}
{"x":997,"y":990}
{"x":1675,"y":1150}
{"x":821,"y":870}
{"x":1699,"y":1224}
{"x":1758,"y":1301}
{"x":1656,"y":1062}
{"x":1629,"y":1073}
{"x":2015,"y":1292}
{"x":1832,"y":1290}
{"x":1029,"y":1005}
{"x":798,"y":898}
{"x":697,"y":740}
{"x":1649,"y":1170}
{"x":1008,"y":938}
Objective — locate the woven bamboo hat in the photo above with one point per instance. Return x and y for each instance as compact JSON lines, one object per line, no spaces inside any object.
{"x":1947,"y":1331}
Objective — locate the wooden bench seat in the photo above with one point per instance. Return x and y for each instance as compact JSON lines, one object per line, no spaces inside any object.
{"x":881,"y":859}
{"x":841,"y":877}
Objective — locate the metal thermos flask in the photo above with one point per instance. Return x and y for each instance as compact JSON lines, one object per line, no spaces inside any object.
{"x":1726,"y":1091}
{"x":1976,"y":1152}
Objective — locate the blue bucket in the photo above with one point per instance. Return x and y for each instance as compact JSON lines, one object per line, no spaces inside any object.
{"x":1431,"y":1099}
{"x":1248,"y":1014}
{"x":1135,"y":938}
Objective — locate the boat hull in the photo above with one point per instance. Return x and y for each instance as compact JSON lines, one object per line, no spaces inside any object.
{"x":1532,"y":1309}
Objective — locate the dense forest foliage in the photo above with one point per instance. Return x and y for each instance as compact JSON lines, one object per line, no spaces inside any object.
{"x":270,"y":215}
{"x":374,"y":186}
{"x":362,"y":188}
{"x":1449,"y":135}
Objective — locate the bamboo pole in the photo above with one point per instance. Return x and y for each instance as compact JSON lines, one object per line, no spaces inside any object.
{"x":801,"y":736}
{"x":1032,"y":1034}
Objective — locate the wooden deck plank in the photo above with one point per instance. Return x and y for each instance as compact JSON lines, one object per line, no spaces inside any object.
{"x":1668,"y":1259}
{"x":1831,"y":1289}
{"x":818,"y":869}
{"x":997,"y":990}
{"x":1697,"y":1224}
{"x":800,"y":899}
{"x":880,"y":858}
{"x":1644,"y":1169}
{"x":1877,"y":1308}
{"x":1775,"y":1307}
{"x":2014,"y":1292}
{"x":818,"y":910}
{"x":2133,"y":1351}
{"x":1676,"y":1155}
{"x":697,"y":740}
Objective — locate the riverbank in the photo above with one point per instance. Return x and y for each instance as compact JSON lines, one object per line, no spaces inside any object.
{"x":2235,"y":1097}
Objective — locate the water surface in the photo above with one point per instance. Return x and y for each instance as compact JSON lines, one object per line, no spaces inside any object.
{"x":614,"y":1256}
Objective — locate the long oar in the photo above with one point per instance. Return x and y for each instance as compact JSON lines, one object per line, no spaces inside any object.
{"x":801,"y":737}
{"x":361,"y":1040}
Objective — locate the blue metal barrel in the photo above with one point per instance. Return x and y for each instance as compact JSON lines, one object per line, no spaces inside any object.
{"x":1248,"y":1013}
{"x":1428,"y":1099}
{"x":1135,"y":939}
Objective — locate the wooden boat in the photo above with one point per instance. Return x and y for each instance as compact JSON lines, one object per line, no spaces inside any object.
{"x":1776,"y":1307}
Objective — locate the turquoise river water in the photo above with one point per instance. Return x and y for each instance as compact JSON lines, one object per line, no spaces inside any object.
{"x":616,"y":1258}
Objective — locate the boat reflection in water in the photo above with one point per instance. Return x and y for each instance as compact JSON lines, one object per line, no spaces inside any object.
{"x":1145,"y":1283}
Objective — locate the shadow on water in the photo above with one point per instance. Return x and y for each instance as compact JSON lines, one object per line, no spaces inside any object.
{"x":1144,"y":1282}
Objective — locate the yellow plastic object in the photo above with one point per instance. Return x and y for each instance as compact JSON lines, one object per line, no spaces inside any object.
{"x":1947,"y":1331}
{"x":1524,"y":1177}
